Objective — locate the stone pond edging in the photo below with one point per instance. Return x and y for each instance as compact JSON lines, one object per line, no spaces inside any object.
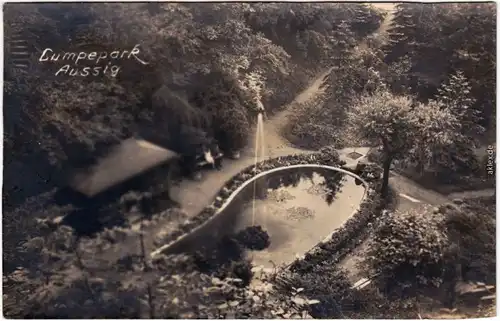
{"x":195,"y":230}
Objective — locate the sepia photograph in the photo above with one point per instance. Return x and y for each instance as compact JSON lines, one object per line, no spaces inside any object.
{"x":249,"y":160}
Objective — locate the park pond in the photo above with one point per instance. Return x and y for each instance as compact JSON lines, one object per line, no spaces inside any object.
{"x":297,"y":206}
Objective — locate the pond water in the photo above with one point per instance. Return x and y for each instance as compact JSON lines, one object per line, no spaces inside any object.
{"x":298,"y":208}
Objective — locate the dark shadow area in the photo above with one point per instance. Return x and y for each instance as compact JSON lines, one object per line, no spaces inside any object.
{"x":226,"y":258}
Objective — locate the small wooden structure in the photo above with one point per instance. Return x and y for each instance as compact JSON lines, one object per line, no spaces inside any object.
{"x":123,"y":168}
{"x":99,"y":195}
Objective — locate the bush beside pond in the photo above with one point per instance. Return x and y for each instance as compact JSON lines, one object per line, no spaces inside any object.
{"x":253,"y":238}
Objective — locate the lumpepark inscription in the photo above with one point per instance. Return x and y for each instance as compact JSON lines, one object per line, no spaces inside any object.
{"x":86,"y":63}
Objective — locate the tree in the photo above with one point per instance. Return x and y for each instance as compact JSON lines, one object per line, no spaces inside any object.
{"x":401,"y":32}
{"x":310,"y":32}
{"x":439,"y":142}
{"x":471,"y":227}
{"x":455,"y":95}
{"x":406,"y":130}
{"x":474,"y":54}
{"x":321,"y":121}
{"x":231,"y":128}
{"x":74,"y":124}
{"x":175,"y":122}
{"x":398,"y":76}
{"x":387,"y":120}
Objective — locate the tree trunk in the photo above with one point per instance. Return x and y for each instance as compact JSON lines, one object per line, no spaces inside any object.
{"x":385,"y":182}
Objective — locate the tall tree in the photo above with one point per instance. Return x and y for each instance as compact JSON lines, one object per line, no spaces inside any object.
{"x":406,"y":130}
{"x":453,"y":103}
{"x":456,"y":96}
{"x":437,"y":129}
{"x":386,"y":120}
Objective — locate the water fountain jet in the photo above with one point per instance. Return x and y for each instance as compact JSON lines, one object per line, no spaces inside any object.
{"x":259,"y":147}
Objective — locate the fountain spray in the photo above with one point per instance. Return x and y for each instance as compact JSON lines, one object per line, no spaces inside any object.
{"x":259,"y":147}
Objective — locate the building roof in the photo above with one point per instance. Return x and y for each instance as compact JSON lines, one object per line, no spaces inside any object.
{"x":127,"y":160}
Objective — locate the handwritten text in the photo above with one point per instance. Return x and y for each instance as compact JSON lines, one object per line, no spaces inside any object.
{"x":94,"y":58}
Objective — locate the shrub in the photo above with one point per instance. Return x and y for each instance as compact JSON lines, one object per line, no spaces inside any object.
{"x":253,"y":238}
{"x":232,"y":129}
{"x":226,"y":258}
{"x":455,"y":162}
{"x":330,"y":287}
{"x":309,"y":128}
{"x":171,"y":288}
{"x":241,"y":270}
{"x":370,"y":303}
{"x":409,"y":249}
{"x":473,"y":231}
{"x":369,"y":172}
{"x":328,"y":155}
{"x":326,"y":284}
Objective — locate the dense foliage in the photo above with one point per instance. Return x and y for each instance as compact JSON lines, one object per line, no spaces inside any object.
{"x":472,"y":228}
{"x":330,"y":287}
{"x":419,"y":249}
{"x":74,"y":280}
{"x":432,"y":135}
{"x":443,"y":39}
{"x":409,"y":247}
{"x":253,"y":238}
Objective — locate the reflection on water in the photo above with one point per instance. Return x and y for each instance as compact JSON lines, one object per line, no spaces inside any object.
{"x":298,"y":208}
